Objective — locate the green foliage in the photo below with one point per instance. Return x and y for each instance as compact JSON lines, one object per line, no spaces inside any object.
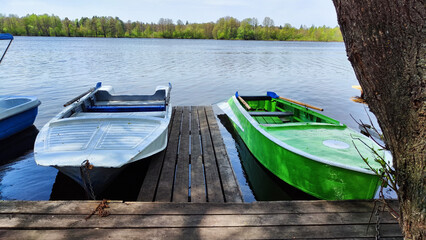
{"x":227,"y":28}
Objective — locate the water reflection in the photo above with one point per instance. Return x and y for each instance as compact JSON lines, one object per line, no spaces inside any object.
{"x":264,"y":185}
{"x":20,"y":177}
{"x":17,"y":145}
{"x":23,"y":179}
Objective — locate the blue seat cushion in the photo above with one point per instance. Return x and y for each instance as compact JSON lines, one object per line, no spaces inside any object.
{"x":148,"y":108}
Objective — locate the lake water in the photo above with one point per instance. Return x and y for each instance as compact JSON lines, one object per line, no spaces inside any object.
{"x":202,"y":72}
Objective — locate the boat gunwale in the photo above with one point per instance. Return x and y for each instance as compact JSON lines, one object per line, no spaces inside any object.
{"x":33,"y":102}
{"x":159,"y":120}
{"x":290,"y":148}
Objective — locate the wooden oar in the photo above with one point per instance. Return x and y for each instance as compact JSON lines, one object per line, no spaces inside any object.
{"x":274,"y":95}
{"x":98,"y":85}
{"x":244,"y":103}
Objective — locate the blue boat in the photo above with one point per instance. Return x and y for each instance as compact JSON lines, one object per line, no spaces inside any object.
{"x":16,"y":112}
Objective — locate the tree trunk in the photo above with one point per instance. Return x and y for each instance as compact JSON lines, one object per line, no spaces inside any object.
{"x":385,"y":43}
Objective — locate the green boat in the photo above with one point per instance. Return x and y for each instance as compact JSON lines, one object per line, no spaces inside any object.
{"x":304,"y":148}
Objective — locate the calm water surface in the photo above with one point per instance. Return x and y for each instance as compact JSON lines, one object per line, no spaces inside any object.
{"x":202,"y":72}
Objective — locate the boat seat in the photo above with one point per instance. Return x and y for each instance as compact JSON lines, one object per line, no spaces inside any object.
{"x":144,"y":108}
{"x":271,"y":114}
{"x":128,"y":103}
{"x":107,"y":115}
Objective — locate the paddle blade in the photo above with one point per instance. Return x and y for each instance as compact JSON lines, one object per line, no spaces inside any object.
{"x":98,"y":85}
{"x":272,"y":95}
{"x":357,"y":87}
{"x":236,"y":94}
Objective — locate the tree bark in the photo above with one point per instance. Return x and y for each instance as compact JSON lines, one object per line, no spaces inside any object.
{"x":385,"y":43}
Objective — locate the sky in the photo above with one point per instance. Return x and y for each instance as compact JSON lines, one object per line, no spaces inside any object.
{"x":294,"y":12}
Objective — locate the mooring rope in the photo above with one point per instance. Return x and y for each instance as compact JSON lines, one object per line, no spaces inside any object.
{"x":85,"y":176}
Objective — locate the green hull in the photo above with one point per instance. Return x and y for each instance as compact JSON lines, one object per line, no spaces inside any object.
{"x":307,"y":150}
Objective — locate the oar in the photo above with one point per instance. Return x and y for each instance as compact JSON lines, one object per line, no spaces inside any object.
{"x":6,"y":36}
{"x":243,"y":102}
{"x":274,"y":95}
{"x":98,"y":85}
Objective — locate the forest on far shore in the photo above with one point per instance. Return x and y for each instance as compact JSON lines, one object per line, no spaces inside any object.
{"x":228,"y":28}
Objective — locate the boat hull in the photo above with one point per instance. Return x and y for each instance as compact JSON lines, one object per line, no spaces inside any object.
{"x":96,"y":179}
{"x":316,"y":178}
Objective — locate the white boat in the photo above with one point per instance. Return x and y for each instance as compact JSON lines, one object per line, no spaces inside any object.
{"x":99,"y":133}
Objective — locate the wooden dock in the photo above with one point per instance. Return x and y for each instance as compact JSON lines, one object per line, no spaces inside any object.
{"x":190,"y":192}
{"x":195,"y":166}
{"x":155,"y":220}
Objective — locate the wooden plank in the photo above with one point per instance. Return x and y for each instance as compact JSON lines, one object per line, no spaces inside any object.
{"x":214,"y":189}
{"x":230,"y":185}
{"x":49,"y":221}
{"x":198,"y":189}
{"x":165,"y":184}
{"x":276,"y":232}
{"x":181,"y":188}
{"x":150,"y":183}
{"x":118,"y":207}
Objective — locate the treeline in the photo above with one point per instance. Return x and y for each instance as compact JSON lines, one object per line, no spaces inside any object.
{"x":225,"y":28}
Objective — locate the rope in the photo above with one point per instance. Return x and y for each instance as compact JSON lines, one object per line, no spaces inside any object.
{"x":85,"y":176}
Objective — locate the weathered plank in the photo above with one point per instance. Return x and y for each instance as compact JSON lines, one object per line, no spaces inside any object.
{"x":181,"y":188}
{"x":51,"y":221}
{"x":150,"y":182}
{"x":157,"y":208}
{"x":214,"y":188}
{"x":198,"y":189}
{"x":252,"y":232}
{"x":165,"y":184}
{"x":232,"y":192}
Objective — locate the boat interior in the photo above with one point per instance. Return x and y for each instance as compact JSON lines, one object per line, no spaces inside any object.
{"x":271,"y":111}
{"x":103,"y":101}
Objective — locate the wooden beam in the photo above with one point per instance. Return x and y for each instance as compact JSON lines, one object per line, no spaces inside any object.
{"x":214,"y":188}
{"x":181,"y":188}
{"x":231,"y":189}
{"x":165,"y":184}
{"x":198,"y":188}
